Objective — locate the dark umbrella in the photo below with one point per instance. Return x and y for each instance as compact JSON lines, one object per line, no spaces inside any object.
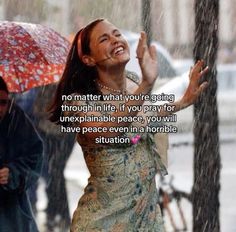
{"x":30,"y":55}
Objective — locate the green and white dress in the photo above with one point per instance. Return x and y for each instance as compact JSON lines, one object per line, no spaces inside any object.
{"x":121,"y":195}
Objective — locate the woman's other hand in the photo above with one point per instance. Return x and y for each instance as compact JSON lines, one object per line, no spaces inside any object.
{"x":147,"y":57}
{"x":195,"y":87}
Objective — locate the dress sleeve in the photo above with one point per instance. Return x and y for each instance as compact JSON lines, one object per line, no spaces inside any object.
{"x":159,"y":144}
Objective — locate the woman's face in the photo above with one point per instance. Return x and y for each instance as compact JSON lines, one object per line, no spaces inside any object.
{"x":108,"y":46}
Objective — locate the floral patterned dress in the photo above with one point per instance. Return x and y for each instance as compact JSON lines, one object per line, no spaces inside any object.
{"x":121,"y":195}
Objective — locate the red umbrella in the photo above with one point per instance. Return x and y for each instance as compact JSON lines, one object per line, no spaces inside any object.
{"x":31,"y":55}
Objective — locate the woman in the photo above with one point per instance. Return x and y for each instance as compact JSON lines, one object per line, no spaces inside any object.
{"x":121,"y":194}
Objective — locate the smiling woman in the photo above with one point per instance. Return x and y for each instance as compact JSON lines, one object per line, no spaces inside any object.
{"x":121,"y":194}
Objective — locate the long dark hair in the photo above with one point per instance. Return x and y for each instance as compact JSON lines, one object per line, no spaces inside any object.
{"x":77,"y":77}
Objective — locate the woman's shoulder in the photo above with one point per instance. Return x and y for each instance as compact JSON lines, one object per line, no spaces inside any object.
{"x":133,"y":76}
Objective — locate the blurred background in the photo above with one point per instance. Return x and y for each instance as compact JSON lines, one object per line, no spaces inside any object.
{"x":173,"y":36}
{"x":172,"y":21}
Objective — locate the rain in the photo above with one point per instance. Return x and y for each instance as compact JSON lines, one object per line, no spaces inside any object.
{"x":198,"y":194}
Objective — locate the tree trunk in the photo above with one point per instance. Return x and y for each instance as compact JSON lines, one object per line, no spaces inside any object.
{"x":147,"y":19}
{"x":207,"y":162}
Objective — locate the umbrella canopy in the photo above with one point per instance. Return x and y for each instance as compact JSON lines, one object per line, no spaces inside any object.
{"x":30,"y":55}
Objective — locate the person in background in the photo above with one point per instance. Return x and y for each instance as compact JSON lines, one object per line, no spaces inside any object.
{"x":58,"y":147}
{"x":26,"y":101}
{"x":56,"y":155}
{"x":121,"y":194}
{"x":21,"y":156}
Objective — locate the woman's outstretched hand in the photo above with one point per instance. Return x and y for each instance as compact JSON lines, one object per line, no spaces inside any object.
{"x":194,"y":88}
{"x":147,"y":57}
